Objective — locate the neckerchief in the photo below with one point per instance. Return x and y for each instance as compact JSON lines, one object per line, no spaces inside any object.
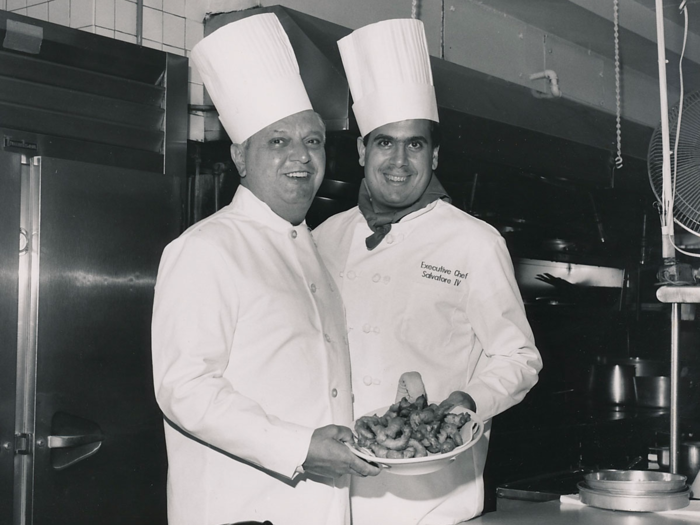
{"x":380,"y":222}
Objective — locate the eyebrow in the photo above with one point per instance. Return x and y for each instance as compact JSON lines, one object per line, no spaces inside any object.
{"x":418,"y":138}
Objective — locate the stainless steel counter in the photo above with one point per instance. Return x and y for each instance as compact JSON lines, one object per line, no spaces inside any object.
{"x":556,"y":513}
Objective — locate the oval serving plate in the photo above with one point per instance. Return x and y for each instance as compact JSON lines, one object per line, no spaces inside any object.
{"x":471,"y":433}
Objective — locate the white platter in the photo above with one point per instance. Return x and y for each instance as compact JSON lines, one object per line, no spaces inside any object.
{"x":471,"y":433}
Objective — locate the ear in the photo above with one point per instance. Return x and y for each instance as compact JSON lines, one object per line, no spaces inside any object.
{"x":435,"y":157}
{"x":238,"y":157}
{"x":361,"y":151}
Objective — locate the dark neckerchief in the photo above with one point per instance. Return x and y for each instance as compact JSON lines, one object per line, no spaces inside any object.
{"x":380,"y":222}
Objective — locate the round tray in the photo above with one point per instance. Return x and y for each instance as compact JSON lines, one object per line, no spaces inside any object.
{"x":650,"y":502}
{"x":635,"y":481}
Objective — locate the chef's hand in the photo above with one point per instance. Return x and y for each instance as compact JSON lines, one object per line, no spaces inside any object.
{"x":329,"y":457}
{"x":458,"y":398}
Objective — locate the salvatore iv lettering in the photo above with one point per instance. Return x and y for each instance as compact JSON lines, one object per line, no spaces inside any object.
{"x":438,"y":273}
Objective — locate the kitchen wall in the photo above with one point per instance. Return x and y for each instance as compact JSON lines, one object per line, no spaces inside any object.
{"x":508,"y":39}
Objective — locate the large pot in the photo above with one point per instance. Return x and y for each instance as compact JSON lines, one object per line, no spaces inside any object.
{"x":612,"y":384}
{"x":642,"y":367}
{"x":653,"y":391}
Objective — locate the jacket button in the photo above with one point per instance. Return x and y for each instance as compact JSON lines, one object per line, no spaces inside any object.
{"x":389,"y":238}
{"x":367,"y":380}
{"x":313,"y":288}
{"x":351,"y":274}
{"x":376,"y":277}
{"x":328,"y":337}
{"x":367,"y":328}
{"x":376,"y":330}
{"x":387,"y":279}
{"x":334,"y":392}
{"x":294,"y":234}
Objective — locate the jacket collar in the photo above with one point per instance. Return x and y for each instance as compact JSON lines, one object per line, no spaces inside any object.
{"x":246,"y":203}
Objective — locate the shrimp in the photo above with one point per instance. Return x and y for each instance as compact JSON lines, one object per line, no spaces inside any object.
{"x":447,"y":446}
{"x":396,"y":443}
{"x":409,"y":452}
{"x":378,"y":429}
{"x":426,"y":415}
{"x":394,"y":426}
{"x":447,"y":430}
{"x":379,"y":450}
{"x":417,"y":446}
{"x":457,"y":419}
{"x":431,"y":443}
{"x":363,"y":427}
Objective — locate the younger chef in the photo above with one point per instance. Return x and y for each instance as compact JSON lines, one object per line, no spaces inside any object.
{"x":427,"y":287}
{"x":250,"y":354}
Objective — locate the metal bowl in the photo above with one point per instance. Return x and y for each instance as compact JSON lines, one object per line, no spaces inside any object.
{"x":635,"y":481}
{"x":649,"y":502}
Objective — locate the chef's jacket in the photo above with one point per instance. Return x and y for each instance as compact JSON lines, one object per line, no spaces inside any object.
{"x":437,"y":296}
{"x":250,"y":356}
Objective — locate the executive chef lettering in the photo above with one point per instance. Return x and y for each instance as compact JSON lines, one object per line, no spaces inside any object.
{"x":439,"y":273}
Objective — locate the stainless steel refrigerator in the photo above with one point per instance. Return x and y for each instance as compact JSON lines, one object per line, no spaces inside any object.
{"x":92,"y":166}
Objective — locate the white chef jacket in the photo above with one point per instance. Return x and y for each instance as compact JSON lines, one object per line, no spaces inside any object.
{"x":437,"y":296}
{"x":250,"y":356}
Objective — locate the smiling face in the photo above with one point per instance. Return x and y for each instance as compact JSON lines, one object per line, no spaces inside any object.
{"x":284,"y":163}
{"x":399,"y":160}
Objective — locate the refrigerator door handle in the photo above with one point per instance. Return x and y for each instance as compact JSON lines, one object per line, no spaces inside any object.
{"x":73,"y":441}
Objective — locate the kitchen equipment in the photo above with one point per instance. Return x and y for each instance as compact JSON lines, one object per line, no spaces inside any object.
{"x":653,"y":391}
{"x":92,"y":165}
{"x":471,"y":433}
{"x":612,"y":384}
{"x":684,"y":135}
{"x":634,"y":481}
{"x":642,"y":367}
{"x":646,"y":502}
{"x":688,"y":460}
{"x":689,"y":463}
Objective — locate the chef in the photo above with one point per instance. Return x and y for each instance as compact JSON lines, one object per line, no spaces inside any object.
{"x":427,"y":288}
{"x":250,"y":353}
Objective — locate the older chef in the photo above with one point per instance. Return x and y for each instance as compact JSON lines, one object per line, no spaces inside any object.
{"x":250,"y":352}
{"x":427,"y":287}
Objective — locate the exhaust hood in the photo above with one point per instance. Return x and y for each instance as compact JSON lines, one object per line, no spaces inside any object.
{"x":491,"y":122}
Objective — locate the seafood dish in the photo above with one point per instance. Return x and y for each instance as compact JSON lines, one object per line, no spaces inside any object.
{"x":417,"y":429}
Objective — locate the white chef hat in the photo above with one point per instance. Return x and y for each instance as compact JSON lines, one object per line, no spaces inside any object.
{"x":251,"y":74}
{"x":388,"y":70}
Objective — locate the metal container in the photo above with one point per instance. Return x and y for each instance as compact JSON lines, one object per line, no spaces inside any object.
{"x":635,"y":481}
{"x":612,"y":384}
{"x":689,"y":463}
{"x":642,"y":367}
{"x":653,"y":391}
{"x":649,"y":502}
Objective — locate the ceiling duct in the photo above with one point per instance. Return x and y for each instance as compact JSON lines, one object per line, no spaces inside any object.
{"x":487,"y":122}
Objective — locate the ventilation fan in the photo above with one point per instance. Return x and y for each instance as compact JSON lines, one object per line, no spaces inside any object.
{"x":685,"y":163}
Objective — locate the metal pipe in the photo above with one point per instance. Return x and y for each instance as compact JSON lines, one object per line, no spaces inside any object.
{"x":675,"y":329}
{"x":139,"y":22}
{"x":551,"y":76}
{"x":668,"y":250}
